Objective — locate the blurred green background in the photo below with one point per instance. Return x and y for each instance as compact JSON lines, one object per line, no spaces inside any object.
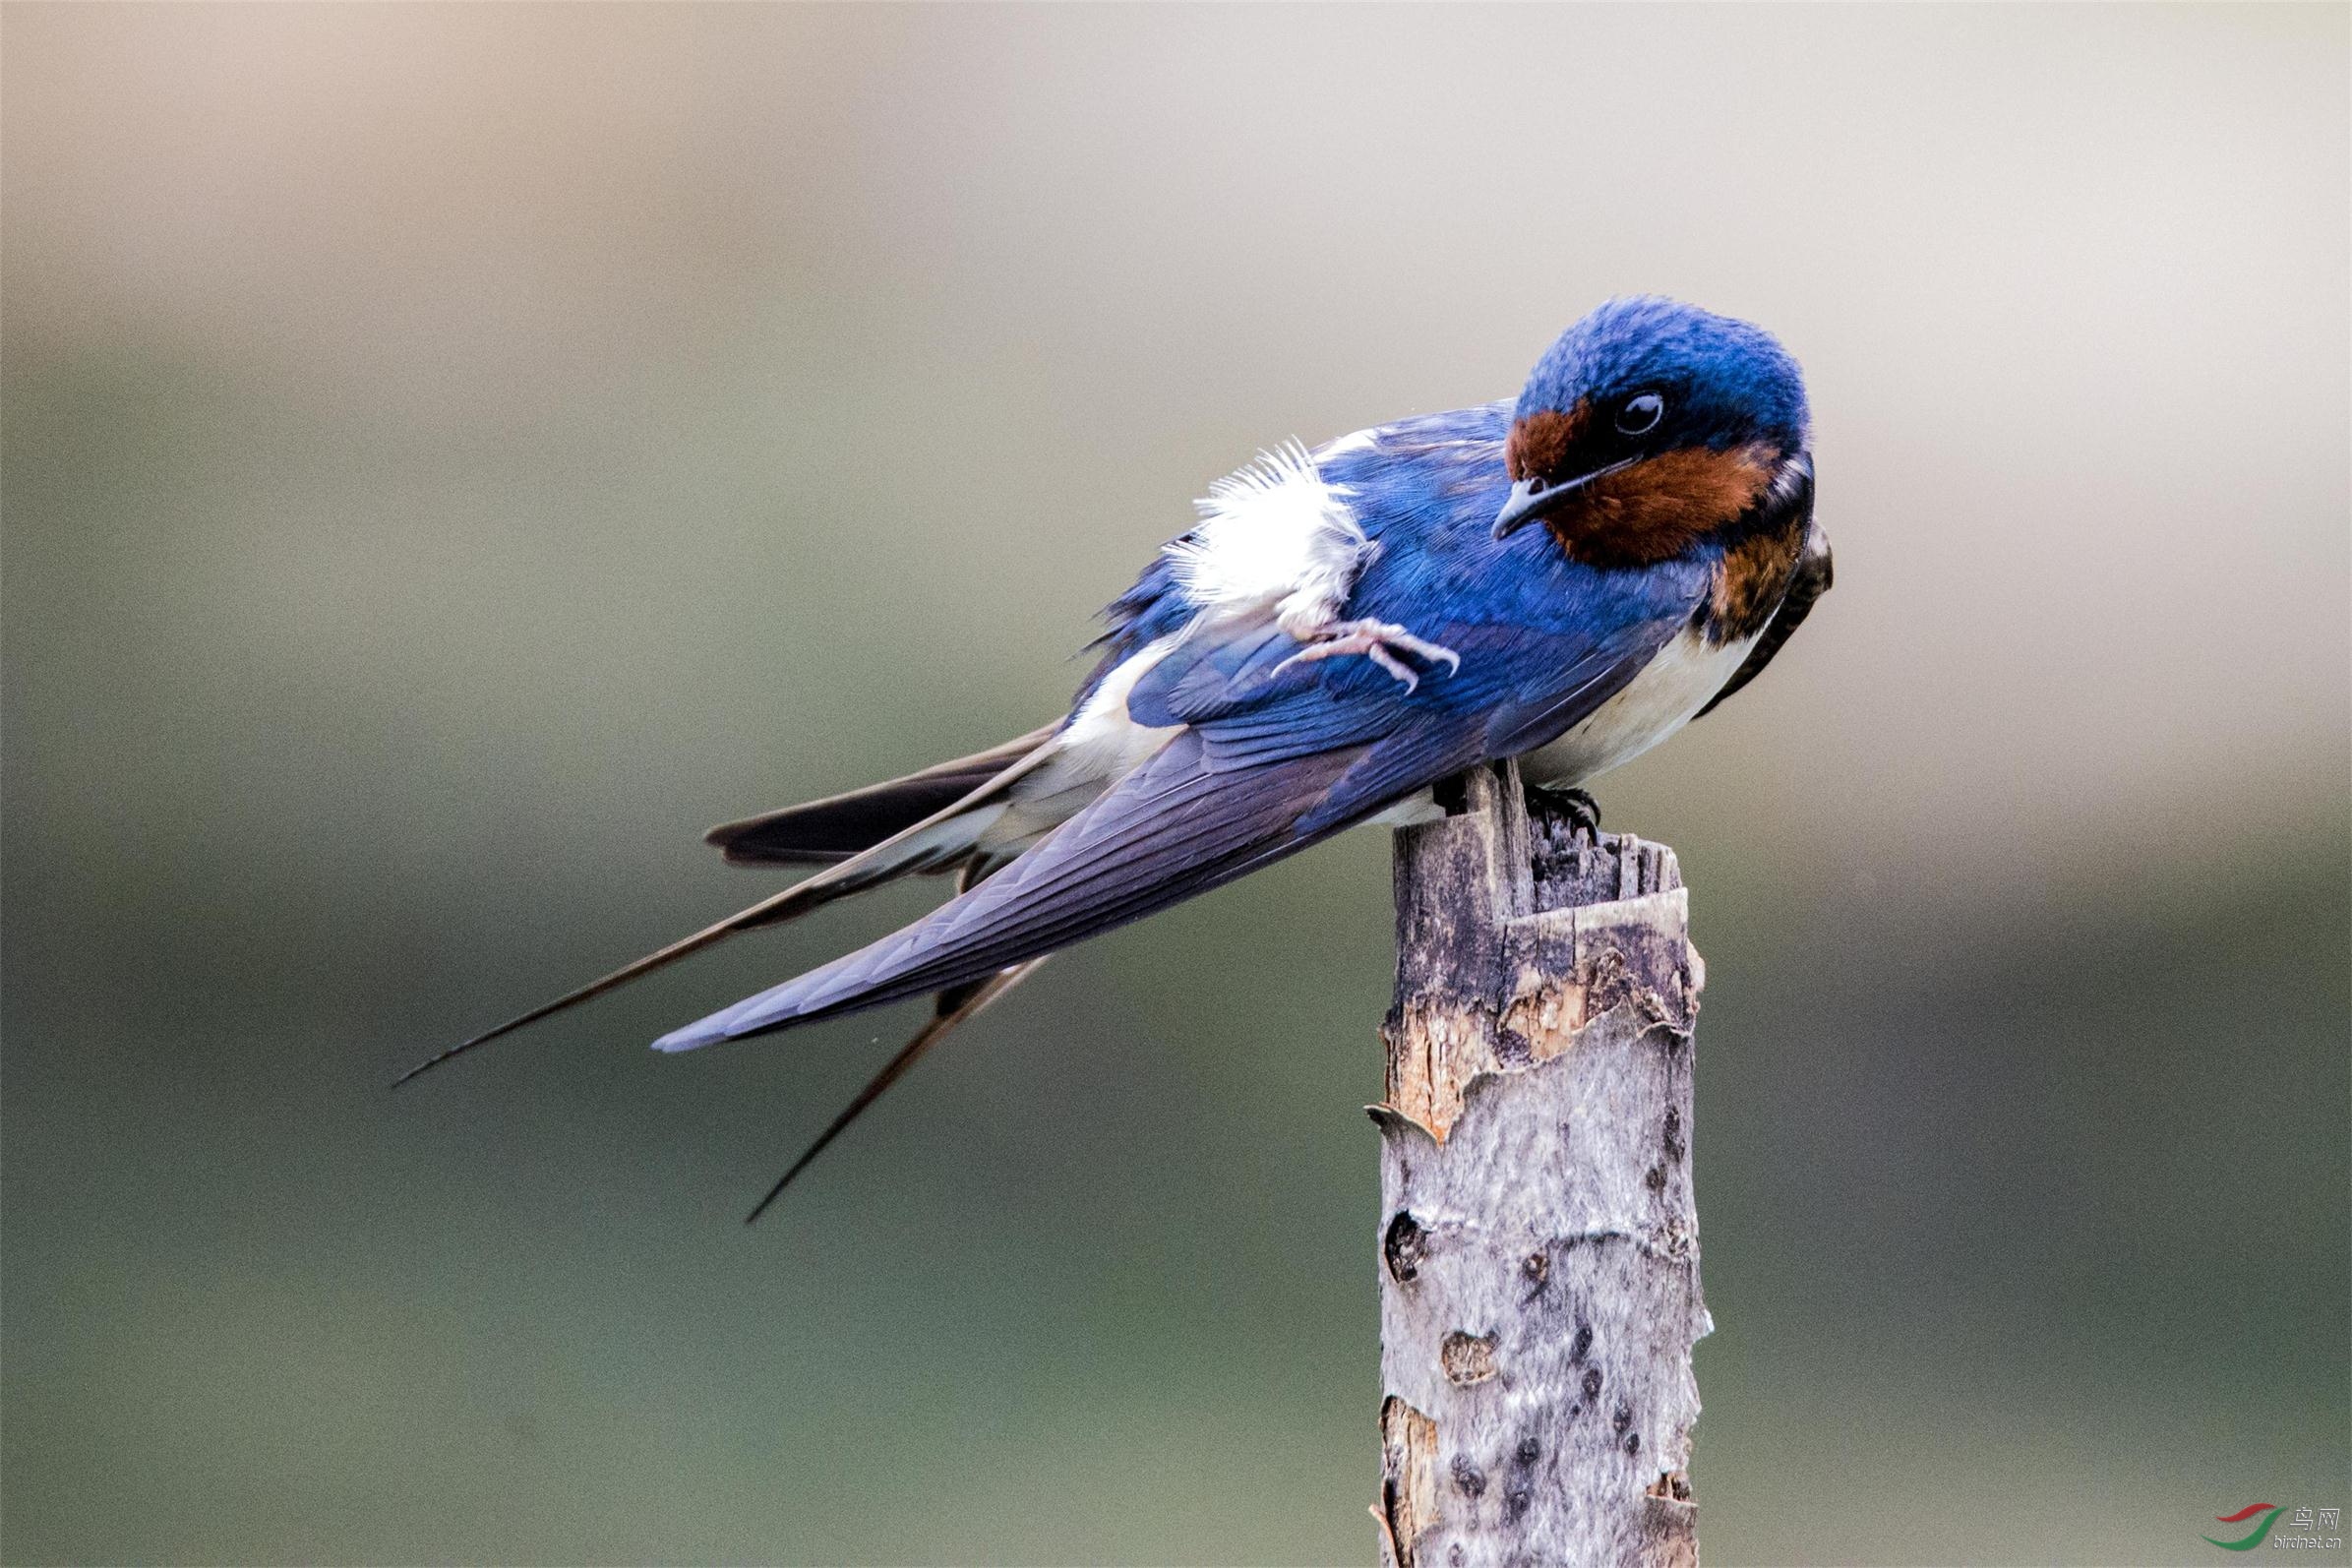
{"x":452,"y":454}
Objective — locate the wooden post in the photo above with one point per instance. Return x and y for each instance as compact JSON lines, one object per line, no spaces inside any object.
{"x":1538,"y":1242}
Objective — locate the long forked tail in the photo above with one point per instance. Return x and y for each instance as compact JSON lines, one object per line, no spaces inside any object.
{"x":951,"y":1009}
{"x":936,"y":837}
{"x":819,"y":832}
{"x":1177,"y":825}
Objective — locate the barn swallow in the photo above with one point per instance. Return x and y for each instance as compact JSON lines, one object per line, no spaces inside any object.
{"x":1566,"y":580}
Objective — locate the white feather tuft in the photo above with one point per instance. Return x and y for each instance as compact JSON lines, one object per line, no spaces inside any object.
{"x":1273,"y":533}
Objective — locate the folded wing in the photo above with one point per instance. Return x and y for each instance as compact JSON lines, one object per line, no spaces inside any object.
{"x":1271,"y":761}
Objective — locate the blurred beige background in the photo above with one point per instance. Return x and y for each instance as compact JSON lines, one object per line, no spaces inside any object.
{"x":453,"y":454}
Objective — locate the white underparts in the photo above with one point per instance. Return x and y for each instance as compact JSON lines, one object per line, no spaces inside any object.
{"x":1669,"y":692}
{"x":1666,"y":694}
{"x":1099,"y":746}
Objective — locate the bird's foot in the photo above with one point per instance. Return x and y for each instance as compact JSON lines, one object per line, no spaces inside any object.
{"x":1582,"y":810}
{"x":1377,"y":641}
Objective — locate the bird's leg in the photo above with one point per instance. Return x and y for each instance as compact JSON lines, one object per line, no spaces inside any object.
{"x":1377,"y":641}
{"x":1582,"y":810}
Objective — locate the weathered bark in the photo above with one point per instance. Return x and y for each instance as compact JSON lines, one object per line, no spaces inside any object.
{"x":1538,"y":1243}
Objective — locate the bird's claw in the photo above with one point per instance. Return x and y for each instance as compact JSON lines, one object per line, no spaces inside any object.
{"x":1375,"y":641}
{"x":1582,"y":810}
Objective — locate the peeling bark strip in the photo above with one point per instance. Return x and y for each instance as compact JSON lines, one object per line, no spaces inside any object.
{"x":1538,"y":1243}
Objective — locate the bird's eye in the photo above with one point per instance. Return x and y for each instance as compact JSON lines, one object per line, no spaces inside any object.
{"x":1641,"y":414}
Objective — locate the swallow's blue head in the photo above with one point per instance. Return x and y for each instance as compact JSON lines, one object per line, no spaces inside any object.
{"x":1649,"y":425}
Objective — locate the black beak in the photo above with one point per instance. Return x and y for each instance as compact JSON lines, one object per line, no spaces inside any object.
{"x":1533,"y":497}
